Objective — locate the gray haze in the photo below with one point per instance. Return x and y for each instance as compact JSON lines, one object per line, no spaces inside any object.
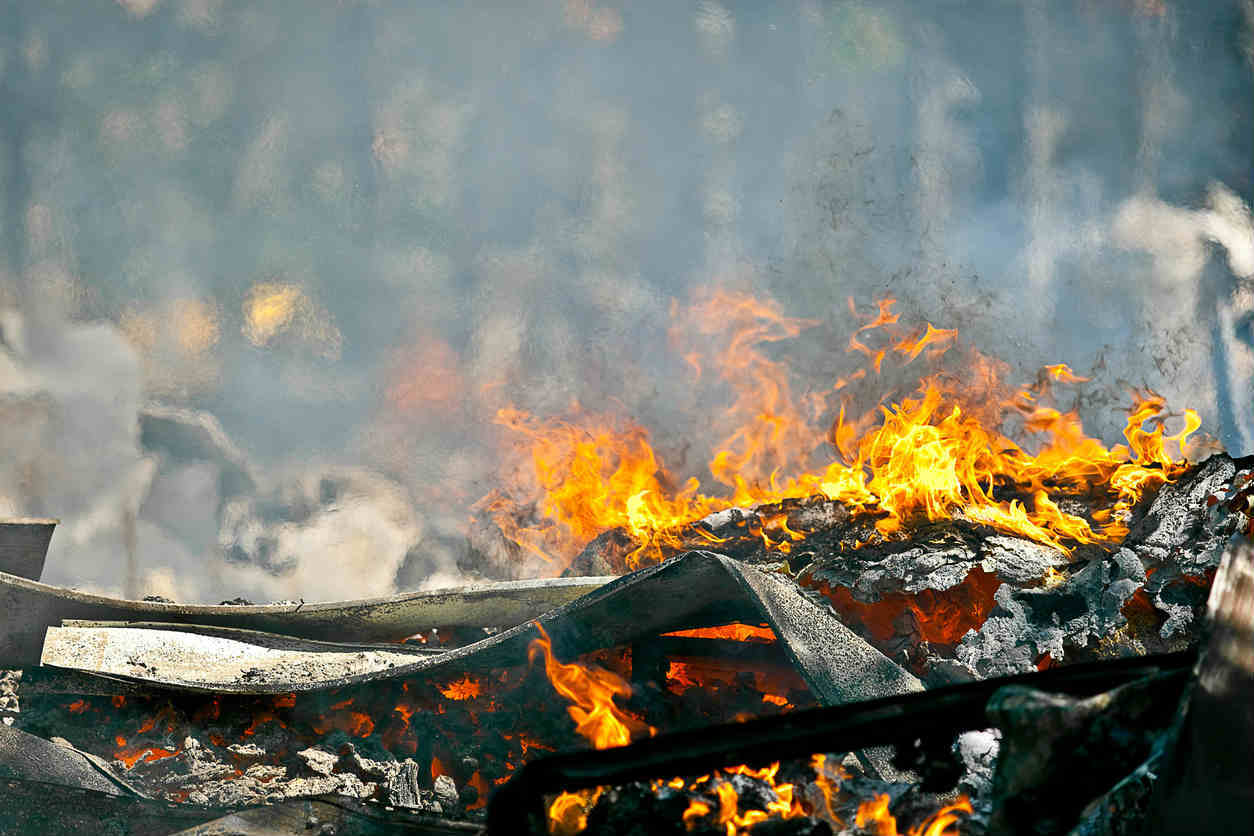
{"x":348,"y":232}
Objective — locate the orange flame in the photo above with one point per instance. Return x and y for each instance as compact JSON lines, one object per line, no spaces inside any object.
{"x":827,"y":778}
{"x":873,"y":817}
{"x":568,"y":814}
{"x":466,"y":688}
{"x":130,"y":757}
{"x":735,"y":632}
{"x":728,"y":815}
{"x":591,"y":691}
{"x":931,"y":456}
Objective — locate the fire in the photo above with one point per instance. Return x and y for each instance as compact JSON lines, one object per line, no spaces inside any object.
{"x":130,"y":757}
{"x":727,"y":816}
{"x":591,"y":691}
{"x":735,"y":632}
{"x":466,"y":688}
{"x":568,"y":814}
{"x":933,"y":455}
{"x":827,"y":779}
{"x":873,"y":817}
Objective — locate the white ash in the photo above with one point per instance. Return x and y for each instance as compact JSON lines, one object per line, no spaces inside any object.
{"x":199,"y":775}
{"x":9,"y":703}
{"x":978,"y":751}
{"x":727,"y":517}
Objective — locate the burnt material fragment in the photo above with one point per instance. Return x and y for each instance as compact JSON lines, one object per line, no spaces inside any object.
{"x":1053,"y":744}
{"x":1207,"y":779}
{"x":29,"y":758}
{"x":958,"y":601}
{"x":24,"y":546}
{"x":1028,"y":623}
{"x":33,"y":607}
{"x":327,"y":817}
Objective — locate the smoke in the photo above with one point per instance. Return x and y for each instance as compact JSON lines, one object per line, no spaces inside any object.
{"x":350,"y":236}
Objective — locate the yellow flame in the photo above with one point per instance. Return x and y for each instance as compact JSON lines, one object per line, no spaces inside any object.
{"x":933,"y":455}
{"x":591,"y":691}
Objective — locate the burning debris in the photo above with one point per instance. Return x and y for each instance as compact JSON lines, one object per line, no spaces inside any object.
{"x":434,"y":726}
{"x":926,"y":558}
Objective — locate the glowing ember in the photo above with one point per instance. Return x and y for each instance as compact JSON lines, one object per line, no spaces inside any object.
{"x":130,"y":757}
{"x":466,"y":688}
{"x":933,"y":455}
{"x":591,"y":691}
{"x":941,"y":617}
{"x":735,"y":632}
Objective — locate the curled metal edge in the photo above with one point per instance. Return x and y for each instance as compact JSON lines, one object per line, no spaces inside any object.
{"x":30,"y":607}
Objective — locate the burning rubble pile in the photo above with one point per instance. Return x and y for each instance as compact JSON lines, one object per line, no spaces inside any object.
{"x":934,"y":630}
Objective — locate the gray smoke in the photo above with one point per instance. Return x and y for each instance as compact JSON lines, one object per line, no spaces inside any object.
{"x":349,"y":233}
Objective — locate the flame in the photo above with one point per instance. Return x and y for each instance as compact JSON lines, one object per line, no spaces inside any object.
{"x":735,"y":632}
{"x":568,"y":814}
{"x":933,"y":455}
{"x":148,"y":754}
{"x":682,"y":675}
{"x":591,"y":691}
{"x":466,"y":688}
{"x":728,"y":816}
{"x":827,"y":779}
{"x":873,"y":817}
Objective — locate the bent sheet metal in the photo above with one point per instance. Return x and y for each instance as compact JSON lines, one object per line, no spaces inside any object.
{"x":31,"y":607}
{"x":695,"y":589}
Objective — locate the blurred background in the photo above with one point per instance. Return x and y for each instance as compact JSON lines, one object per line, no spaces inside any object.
{"x":268,"y":269}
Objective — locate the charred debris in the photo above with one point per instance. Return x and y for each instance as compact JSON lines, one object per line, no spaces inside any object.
{"x":952,"y":679}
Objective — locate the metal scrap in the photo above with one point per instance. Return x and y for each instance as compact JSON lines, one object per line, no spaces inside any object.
{"x":31,"y":608}
{"x":24,"y":545}
{"x":696,"y":589}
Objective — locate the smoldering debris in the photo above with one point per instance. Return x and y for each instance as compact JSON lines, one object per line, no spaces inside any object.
{"x":950,"y":603}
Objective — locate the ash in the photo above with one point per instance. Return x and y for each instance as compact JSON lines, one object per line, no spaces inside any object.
{"x":201,"y":775}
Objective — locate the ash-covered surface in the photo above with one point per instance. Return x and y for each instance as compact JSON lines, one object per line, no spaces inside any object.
{"x":1010,"y":605}
{"x":245,"y":773}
